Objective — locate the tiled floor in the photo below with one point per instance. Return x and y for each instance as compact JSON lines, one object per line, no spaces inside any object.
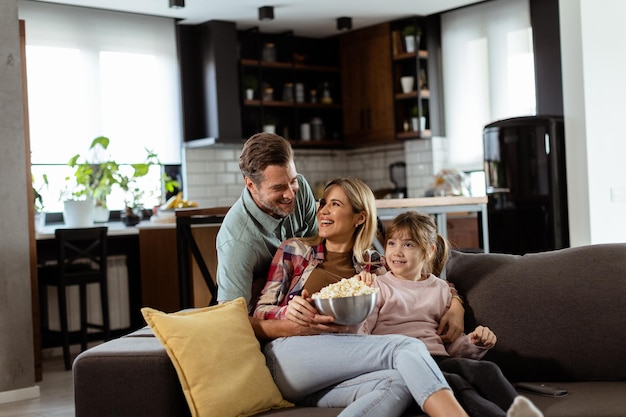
{"x":56,"y":394}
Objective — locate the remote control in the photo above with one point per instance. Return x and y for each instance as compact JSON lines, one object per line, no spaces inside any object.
{"x":541,"y":389}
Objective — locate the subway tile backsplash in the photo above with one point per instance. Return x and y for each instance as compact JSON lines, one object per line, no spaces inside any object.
{"x":212,"y":178}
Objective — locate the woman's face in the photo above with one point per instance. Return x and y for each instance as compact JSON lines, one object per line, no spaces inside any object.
{"x":337,"y":220}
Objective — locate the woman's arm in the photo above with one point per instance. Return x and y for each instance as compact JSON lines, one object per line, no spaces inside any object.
{"x":452,"y":323}
{"x":270,"y":304}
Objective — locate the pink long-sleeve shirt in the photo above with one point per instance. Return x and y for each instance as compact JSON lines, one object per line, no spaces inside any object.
{"x":415,"y":308}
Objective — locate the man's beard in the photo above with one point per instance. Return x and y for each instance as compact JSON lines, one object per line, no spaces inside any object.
{"x":274,"y":210}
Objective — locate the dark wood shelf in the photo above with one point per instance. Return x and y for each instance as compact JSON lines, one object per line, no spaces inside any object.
{"x":288,"y":66}
{"x":413,"y":95}
{"x":316,"y":144}
{"x":414,"y":135}
{"x":422,"y":54}
{"x":275,"y":103}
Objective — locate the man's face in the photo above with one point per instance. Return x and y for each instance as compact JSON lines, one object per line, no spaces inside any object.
{"x":276,"y":193}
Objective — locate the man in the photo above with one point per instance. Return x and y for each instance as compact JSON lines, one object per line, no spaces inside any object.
{"x":276,"y":204}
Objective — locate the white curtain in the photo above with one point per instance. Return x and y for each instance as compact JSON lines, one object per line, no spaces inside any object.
{"x":488,"y":73}
{"x":93,"y":72}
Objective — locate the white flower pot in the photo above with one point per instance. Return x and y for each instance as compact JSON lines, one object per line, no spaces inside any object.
{"x":78,"y":213}
{"x":409,"y":43}
{"x":101,"y":214}
{"x":407,"y":83}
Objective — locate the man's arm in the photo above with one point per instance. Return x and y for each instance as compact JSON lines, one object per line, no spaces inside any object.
{"x":235,"y":271}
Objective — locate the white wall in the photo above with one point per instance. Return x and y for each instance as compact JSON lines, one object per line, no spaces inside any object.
{"x":594,"y":96}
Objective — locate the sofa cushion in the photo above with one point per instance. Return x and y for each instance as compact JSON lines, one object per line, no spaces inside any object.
{"x":547,"y":327}
{"x":218,"y":359}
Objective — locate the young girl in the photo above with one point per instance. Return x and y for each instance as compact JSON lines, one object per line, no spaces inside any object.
{"x":411,"y":302}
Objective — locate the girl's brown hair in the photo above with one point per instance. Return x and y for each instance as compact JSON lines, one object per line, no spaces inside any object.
{"x":421,"y":228}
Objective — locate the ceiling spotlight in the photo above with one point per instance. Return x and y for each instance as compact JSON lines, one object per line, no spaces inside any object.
{"x":266,"y":13}
{"x":177,"y":4}
{"x":344,"y":23}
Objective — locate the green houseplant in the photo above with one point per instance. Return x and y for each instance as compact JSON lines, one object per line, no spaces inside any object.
{"x":95,"y":179}
{"x":411,"y":34}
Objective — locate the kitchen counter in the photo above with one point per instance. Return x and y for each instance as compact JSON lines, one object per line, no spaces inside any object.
{"x":438,"y":206}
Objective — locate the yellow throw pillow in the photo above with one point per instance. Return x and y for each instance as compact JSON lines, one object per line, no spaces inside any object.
{"x":218,"y":360}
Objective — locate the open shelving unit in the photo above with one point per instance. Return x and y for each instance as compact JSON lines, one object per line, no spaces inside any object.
{"x":288,"y":89}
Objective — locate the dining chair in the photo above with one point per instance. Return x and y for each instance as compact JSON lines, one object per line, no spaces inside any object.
{"x":81,"y":260}
{"x":189,"y":251}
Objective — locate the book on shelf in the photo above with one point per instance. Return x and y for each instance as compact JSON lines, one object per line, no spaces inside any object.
{"x":396,"y":42}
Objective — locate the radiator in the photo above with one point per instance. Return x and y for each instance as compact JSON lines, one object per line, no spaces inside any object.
{"x":119,"y":304}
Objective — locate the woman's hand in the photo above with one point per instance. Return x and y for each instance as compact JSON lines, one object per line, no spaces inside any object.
{"x":451,"y":324}
{"x":302,"y":311}
{"x":483,"y":337}
{"x":366,"y":277}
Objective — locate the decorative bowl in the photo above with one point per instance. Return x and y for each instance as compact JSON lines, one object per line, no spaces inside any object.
{"x":347,"y":311}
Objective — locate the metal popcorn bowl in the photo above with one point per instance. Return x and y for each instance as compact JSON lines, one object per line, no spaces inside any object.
{"x":347,"y":311}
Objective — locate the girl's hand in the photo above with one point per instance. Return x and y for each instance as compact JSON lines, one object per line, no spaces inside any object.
{"x":483,"y":337}
{"x":366,"y":277}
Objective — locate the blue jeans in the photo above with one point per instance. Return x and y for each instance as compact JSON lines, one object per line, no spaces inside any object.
{"x":369,"y":375}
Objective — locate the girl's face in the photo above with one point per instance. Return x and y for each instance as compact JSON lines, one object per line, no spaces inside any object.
{"x":405,"y":258}
{"x":337,"y":220}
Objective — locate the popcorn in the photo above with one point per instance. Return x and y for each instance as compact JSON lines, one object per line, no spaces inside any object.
{"x":347,"y":287}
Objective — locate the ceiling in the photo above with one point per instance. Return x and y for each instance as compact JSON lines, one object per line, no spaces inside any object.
{"x":312,"y":18}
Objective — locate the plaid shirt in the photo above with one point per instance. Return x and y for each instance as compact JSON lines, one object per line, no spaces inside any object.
{"x":291,"y":267}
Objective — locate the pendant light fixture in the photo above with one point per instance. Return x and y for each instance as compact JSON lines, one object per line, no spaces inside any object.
{"x":344,"y":23}
{"x":266,"y":13}
{"x":177,"y":4}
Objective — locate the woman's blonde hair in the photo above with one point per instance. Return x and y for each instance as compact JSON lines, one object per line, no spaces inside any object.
{"x":421,"y":229}
{"x":362,"y":200}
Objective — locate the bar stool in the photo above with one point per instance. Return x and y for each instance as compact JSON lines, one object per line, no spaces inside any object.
{"x":81,"y":260}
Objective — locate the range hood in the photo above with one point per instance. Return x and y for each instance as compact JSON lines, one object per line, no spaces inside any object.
{"x":209,"y":83}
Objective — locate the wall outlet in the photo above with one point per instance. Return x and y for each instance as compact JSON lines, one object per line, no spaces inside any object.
{"x":618,"y":195}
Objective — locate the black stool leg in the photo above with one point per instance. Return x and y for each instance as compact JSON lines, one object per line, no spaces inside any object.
{"x":64,"y":327}
{"x":83,"y":316}
{"x":104,"y":302}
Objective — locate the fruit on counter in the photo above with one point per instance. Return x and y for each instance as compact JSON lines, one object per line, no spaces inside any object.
{"x":177,"y":201}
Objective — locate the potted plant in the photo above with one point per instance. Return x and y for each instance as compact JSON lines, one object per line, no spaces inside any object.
{"x":411,"y":34}
{"x":95,"y":179}
{"x":40,"y":215}
{"x":269,"y":123}
{"x":251,"y":84}
{"x":418,"y":123}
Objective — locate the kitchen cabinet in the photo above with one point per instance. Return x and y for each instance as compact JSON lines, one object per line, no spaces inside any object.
{"x":160,"y":286}
{"x":293,"y":85}
{"x":366,"y":85}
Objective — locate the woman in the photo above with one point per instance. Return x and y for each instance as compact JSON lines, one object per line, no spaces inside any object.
{"x":368,"y":375}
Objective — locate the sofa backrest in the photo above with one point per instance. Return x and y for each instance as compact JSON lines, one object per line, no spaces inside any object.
{"x":558,"y":315}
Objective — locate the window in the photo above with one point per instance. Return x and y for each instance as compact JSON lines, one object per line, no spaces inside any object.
{"x":92,"y":72}
{"x":488,"y":73}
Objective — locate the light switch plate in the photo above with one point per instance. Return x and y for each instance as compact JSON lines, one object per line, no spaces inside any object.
{"x":618,"y":195}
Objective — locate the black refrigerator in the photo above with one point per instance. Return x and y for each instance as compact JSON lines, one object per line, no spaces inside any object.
{"x":524,"y":161}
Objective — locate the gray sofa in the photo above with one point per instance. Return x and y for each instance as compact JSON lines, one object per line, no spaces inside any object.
{"x":560,"y":318}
